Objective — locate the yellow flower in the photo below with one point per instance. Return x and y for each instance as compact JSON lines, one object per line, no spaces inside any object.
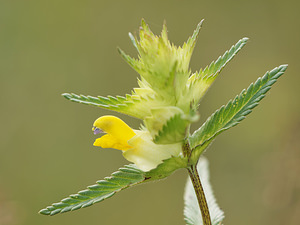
{"x":137,"y":145}
{"x":118,"y":133}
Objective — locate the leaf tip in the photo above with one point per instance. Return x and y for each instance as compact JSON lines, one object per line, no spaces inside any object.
{"x":283,"y":67}
{"x":200,"y":23}
{"x":44,"y":212}
{"x":66,"y":95}
{"x":119,"y":50}
{"x":245,"y":39}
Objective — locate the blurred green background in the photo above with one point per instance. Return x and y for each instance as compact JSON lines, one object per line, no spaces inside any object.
{"x":51,"y":47}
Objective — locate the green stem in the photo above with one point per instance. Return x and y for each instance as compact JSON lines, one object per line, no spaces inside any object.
{"x":200,"y":194}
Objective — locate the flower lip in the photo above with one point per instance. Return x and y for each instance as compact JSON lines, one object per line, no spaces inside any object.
{"x":97,"y":130}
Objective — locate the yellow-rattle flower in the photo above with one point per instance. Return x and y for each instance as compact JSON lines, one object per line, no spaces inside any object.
{"x":137,"y":145}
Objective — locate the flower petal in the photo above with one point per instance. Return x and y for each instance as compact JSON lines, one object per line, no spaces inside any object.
{"x":109,"y":141}
{"x":146,"y":154}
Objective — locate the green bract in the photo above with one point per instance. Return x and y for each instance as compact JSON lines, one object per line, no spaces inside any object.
{"x":168,"y":93}
{"x":166,"y":101}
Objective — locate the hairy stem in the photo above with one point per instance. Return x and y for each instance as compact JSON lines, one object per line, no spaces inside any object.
{"x":200,"y":194}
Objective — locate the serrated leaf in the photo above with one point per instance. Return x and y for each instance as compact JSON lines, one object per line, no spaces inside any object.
{"x":200,"y":82}
{"x":135,"y":64}
{"x":192,"y":214}
{"x":173,"y":131}
{"x":191,"y":42}
{"x":126,"y":177}
{"x":234,"y":112}
{"x":216,"y":66}
{"x":130,"y":105}
{"x":163,"y":121}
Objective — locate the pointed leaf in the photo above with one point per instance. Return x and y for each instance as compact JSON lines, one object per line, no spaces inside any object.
{"x":216,"y":66}
{"x":192,"y":212}
{"x":126,"y":177}
{"x":234,"y":112}
{"x":200,"y":82}
{"x":132,"y":105}
{"x":135,"y":64}
{"x":191,"y":42}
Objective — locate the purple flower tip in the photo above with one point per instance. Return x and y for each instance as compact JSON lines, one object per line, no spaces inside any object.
{"x":97,"y":130}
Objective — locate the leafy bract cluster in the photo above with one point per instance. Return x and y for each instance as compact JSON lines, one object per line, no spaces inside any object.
{"x":169,"y":93}
{"x":167,"y":100}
